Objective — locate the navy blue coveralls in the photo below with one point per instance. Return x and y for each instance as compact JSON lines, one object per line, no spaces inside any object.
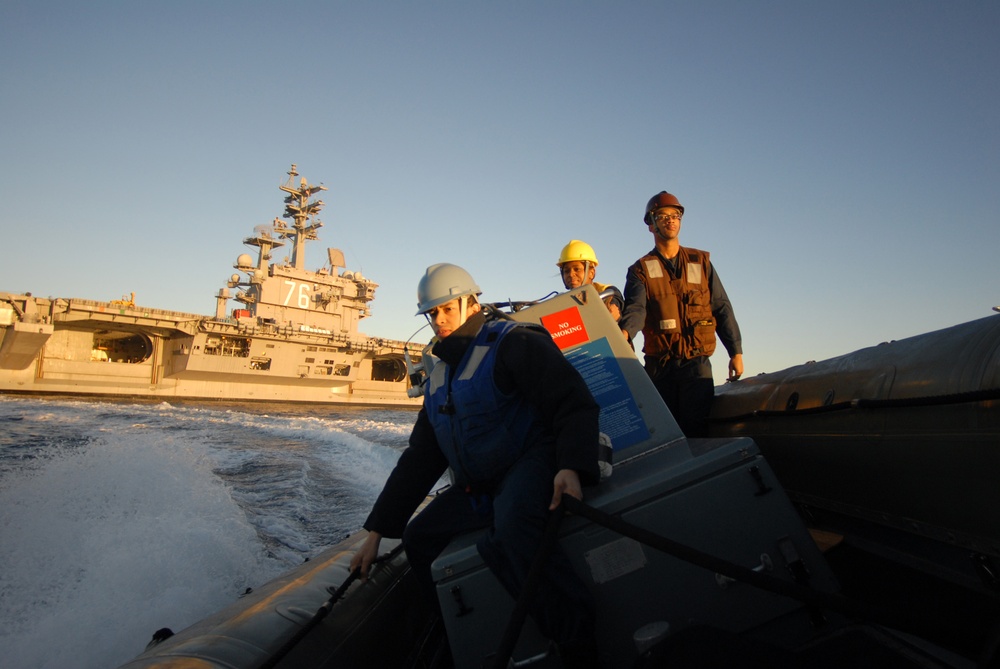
{"x":521,"y":373}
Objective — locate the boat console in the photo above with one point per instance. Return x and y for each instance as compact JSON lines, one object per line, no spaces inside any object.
{"x":717,"y":496}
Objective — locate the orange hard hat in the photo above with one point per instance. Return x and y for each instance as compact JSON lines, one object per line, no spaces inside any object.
{"x":658,"y":201}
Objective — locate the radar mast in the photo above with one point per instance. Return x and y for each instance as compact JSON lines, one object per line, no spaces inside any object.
{"x":300,"y":210}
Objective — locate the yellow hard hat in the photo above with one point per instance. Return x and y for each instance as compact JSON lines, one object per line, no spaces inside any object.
{"x":577,"y":250}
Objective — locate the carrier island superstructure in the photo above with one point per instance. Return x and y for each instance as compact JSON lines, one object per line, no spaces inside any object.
{"x":293,"y":338}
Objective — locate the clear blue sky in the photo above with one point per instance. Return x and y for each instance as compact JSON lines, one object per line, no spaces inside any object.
{"x":840,"y":160}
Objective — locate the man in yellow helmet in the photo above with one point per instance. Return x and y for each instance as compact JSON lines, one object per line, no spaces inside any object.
{"x":578,"y":266}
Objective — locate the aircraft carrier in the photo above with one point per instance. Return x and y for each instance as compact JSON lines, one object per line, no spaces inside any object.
{"x":294,"y":336}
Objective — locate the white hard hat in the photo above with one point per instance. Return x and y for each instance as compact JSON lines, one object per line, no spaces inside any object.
{"x":443,"y":283}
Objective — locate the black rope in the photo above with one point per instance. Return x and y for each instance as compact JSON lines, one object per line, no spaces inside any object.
{"x":323,"y":612}
{"x":535,"y":571}
{"x":897,"y":619}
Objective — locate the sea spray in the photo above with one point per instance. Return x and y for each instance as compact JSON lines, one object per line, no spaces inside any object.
{"x":117,"y":519}
{"x":114,"y":540}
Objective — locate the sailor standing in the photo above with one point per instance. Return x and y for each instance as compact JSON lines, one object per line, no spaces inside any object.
{"x":675,"y":297}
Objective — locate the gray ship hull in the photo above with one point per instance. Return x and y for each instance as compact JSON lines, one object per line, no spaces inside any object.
{"x":83,"y":347}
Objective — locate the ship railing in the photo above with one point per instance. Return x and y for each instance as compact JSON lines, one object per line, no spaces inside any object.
{"x":74,"y":302}
{"x":322,"y":337}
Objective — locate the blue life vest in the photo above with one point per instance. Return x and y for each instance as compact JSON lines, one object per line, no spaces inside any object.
{"x":480,"y":430}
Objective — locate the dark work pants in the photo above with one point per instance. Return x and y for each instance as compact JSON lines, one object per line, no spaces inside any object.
{"x":687,"y":388}
{"x":562,"y":606}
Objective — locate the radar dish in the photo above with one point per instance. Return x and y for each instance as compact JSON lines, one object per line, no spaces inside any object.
{"x":336,"y":257}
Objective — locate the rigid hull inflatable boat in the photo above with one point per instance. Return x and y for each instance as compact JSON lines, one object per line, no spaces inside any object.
{"x":693,"y":551}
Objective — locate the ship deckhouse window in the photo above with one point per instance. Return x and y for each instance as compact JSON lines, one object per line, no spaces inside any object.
{"x":236,"y":347}
{"x":260,"y":364}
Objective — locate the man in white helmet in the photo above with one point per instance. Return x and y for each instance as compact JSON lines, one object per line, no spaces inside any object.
{"x":578,"y":267}
{"x":517,"y":425}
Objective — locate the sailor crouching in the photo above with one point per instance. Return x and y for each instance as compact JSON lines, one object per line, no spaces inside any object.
{"x":518,"y":426}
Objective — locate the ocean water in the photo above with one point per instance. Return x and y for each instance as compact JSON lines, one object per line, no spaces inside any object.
{"x":119,"y":518}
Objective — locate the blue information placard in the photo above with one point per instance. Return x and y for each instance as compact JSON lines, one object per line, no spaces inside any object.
{"x":620,"y":416}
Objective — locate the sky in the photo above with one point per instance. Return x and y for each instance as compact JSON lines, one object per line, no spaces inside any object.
{"x":839,"y":160}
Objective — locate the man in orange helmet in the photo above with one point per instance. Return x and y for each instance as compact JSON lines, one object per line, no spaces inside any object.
{"x":674,"y":296}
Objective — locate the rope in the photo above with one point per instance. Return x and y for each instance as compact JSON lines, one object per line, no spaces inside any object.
{"x":535,"y":571}
{"x":323,"y":612}
{"x":897,"y":619}
{"x":812,"y":598}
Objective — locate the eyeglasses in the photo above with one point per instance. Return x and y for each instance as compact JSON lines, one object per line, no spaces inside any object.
{"x":664,"y":217}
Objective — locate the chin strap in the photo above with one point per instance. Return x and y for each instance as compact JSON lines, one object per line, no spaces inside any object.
{"x":463,"y":309}
{"x":659,"y":232}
